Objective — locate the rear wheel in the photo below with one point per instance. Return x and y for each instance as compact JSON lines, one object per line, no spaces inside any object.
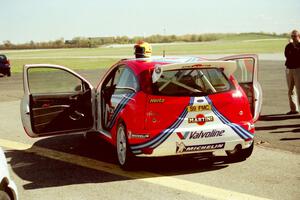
{"x":246,"y":153}
{"x":123,"y":153}
{"x":239,"y":154}
{"x":9,"y":73}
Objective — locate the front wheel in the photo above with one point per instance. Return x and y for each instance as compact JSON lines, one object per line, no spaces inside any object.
{"x":123,"y":153}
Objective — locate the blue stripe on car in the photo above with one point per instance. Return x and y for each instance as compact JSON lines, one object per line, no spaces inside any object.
{"x":167,"y":131}
{"x":155,"y":142}
{"x":244,"y":134}
{"x":119,"y":108}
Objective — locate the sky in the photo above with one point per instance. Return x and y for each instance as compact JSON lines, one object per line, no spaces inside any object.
{"x":44,"y":20}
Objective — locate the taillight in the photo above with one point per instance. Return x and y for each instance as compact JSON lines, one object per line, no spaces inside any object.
{"x":7,"y":62}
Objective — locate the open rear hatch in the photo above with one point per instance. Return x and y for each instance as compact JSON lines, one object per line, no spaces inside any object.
{"x":246,"y":74}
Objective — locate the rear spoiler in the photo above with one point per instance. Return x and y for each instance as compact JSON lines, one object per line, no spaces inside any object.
{"x":228,"y":66}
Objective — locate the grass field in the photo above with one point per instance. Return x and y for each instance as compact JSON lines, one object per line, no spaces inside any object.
{"x":92,"y":58}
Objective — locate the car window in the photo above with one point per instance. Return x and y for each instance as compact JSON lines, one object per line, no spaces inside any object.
{"x":117,"y":75}
{"x":127,"y":79}
{"x":244,"y":71}
{"x":51,"y":80}
{"x":191,"y":82}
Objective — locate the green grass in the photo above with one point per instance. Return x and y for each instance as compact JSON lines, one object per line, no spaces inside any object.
{"x":74,"y":63}
{"x":105,"y":56}
{"x":225,"y":47}
{"x":248,"y":36}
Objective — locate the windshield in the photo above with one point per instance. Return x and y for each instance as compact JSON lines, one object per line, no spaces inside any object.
{"x":191,"y":82}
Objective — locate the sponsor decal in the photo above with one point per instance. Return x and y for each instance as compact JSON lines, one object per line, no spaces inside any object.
{"x":156,"y":100}
{"x":198,"y":108}
{"x":200,"y":119}
{"x":183,"y":135}
{"x":138,"y":136}
{"x":200,"y":134}
{"x":182,"y":148}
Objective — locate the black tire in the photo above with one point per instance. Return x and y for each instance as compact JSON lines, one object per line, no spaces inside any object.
{"x":246,"y":153}
{"x":4,"y":196}
{"x":124,"y":155}
{"x":241,"y":154}
{"x":8,"y":73}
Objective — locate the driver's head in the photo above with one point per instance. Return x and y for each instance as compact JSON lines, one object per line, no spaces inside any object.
{"x":142,"y":50}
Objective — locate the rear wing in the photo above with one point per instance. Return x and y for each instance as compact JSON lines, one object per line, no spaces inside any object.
{"x":228,"y":67}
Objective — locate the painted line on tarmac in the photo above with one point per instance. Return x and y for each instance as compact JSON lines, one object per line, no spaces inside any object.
{"x":157,"y":179}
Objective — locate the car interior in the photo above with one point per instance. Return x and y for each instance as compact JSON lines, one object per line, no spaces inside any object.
{"x":60,"y":111}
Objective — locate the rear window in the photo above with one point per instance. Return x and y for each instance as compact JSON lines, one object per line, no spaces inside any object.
{"x":191,"y":82}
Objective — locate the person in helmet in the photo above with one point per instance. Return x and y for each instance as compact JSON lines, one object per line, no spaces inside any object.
{"x":142,"y":50}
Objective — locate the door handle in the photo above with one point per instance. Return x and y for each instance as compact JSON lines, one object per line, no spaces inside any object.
{"x":76,"y":115}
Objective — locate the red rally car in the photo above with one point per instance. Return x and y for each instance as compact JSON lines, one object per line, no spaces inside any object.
{"x":150,"y":107}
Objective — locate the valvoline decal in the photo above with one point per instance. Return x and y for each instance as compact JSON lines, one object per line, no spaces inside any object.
{"x":200,"y":134}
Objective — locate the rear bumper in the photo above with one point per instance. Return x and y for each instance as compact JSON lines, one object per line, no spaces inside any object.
{"x":192,"y":141}
{"x":214,"y":148}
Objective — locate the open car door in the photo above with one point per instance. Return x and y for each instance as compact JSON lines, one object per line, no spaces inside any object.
{"x":56,"y":101}
{"x":246,"y":74}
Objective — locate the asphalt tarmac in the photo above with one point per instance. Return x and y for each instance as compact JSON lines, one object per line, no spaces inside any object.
{"x":69,"y":167}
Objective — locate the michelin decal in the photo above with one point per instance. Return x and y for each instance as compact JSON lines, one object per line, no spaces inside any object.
{"x":182,"y":148}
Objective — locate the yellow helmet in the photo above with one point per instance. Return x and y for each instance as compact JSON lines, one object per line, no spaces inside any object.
{"x":142,"y":49}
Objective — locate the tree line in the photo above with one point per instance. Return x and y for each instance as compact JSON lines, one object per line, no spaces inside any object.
{"x":93,"y":42}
